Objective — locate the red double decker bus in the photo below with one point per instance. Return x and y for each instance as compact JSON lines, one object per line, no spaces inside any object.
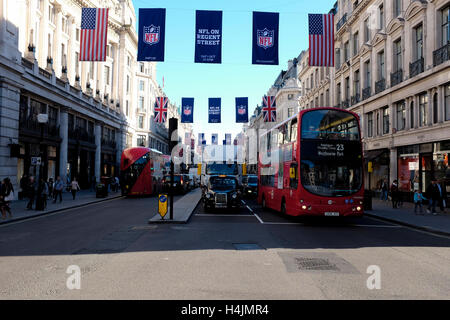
{"x":312,"y":164}
{"x":141,"y":171}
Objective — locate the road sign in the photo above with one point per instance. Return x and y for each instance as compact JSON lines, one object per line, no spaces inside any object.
{"x":35,"y":161}
{"x":162,"y":205}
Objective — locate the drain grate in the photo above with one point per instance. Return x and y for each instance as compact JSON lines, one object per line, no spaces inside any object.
{"x":315,"y":264}
{"x":247,"y":246}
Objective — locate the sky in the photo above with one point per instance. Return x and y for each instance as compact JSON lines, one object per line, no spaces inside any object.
{"x":235,"y":76}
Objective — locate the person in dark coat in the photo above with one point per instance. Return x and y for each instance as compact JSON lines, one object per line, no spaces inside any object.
{"x":442,"y":195}
{"x":433,"y":195}
{"x":23,"y":187}
{"x":31,"y":192}
{"x":394,"y":194}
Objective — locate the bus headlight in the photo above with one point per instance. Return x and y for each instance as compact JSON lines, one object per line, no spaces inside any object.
{"x":304,"y":207}
{"x":358,"y":208}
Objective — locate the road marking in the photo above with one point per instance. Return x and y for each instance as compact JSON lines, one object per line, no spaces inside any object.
{"x":223,"y":215}
{"x":57,"y":212}
{"x":254,"y":213}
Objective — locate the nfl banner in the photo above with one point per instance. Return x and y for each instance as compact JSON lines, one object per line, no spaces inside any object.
{"x":228,"y":138}
{"x":242,"y":110}
{"x":152,"y":24}
{"x":187,"y":110}
{"x":214,"y":110}
{"x":265,"y":38}
{"x":208,"y":36}
{"x":214,"y":138}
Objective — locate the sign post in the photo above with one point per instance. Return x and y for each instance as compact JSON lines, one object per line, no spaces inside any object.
{"x":162,"y":205}
{"x":173,"y":141}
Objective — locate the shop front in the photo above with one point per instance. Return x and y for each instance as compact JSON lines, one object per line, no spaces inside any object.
{"x":417,"y":165}
{"x":376,"y":168}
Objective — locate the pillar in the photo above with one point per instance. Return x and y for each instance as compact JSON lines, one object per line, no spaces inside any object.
{"x":98,"y":150}
{"x":63,"y":148}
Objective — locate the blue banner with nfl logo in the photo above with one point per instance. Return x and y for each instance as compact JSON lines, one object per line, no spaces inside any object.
{"x":208,"y":36}
{"x":214,"y":110}
{"x":265,"y":38}
{"x":242,"y":110}
{"x":187,"y":110}
{"x":152,"y":24}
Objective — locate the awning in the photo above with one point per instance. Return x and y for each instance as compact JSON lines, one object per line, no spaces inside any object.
{"x":373,"y":154}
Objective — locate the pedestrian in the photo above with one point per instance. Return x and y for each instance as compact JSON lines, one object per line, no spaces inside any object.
{"x":433,"y":196}
{"x":31,"y":190}
{"x":117,"y":184}
{"x":50,"y":188}
{"x":394,"y":194}
{"x":2,"y":199}
{"x":74,"y":187}
{"x":23,"y":187}
{"x":384,"y":190}
{"x":58,"y":189}
{"x":442,"y":195}
{"x":418,"y":199}
{"x":42,"y":195}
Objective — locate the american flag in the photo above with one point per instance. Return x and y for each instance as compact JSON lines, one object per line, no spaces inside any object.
{"x":94,"y":29}
{"x":269,"y":109}
{"x":161,"y":109}
{"x":321,"y":40}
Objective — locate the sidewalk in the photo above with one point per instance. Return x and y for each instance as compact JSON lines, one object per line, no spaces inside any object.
{"x":427,"y":221}
{"x":19,"y":211}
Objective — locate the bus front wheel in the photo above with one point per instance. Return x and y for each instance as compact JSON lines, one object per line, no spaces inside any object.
{"x":263,"y":203}
{"x":283,"y":207}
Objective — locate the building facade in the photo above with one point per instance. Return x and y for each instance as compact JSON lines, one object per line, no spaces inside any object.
{"x":60,"y":116}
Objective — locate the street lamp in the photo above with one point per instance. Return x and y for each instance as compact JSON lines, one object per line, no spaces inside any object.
{"x":42,"y":119}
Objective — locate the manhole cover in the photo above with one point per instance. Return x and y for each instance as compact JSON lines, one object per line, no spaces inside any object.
{"x":315,"y":264}
{"x":247,"y":246}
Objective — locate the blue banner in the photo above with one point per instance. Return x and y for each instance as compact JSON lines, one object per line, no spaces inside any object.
{"x":265,"y":37}
{"x":152,"y":24}
{"x":208,"y":36}
{"x":214,"y":110}
{"x":242,"y":110}
{"x":187,"y":110}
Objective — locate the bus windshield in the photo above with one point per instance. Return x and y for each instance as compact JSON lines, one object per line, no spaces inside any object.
{"x":221,"y":168}
{"x":330,"y":153}
{"x":330,"y":125}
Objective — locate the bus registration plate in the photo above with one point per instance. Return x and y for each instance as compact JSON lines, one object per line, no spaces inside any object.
{"x":332,"y":214}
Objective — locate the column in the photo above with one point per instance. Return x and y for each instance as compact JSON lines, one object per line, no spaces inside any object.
{"x":63,"y":148}
{"x":392,"y":165}
{"x":98,"y":150}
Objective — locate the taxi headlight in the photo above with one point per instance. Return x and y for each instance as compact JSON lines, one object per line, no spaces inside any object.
{"x":208,"y":195}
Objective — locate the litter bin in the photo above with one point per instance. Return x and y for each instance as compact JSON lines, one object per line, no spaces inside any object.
{"x":367,"y":203}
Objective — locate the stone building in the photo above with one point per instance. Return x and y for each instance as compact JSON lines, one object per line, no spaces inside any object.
{"x":90,"y":108}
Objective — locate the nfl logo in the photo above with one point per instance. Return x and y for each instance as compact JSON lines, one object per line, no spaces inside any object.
{"x":151,"y":35}
{"x":265,"y":38}
{"x":241,"y":110}
{"x":187,"y":110}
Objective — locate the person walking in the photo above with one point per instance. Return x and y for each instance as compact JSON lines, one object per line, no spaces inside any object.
{"x":117,"y":183}
{"x":394,"y":194}
{"x":418,"y":199}
{"x":74,"y":187}
{"x":42,"y":194}
{"x":384,"y":190}
{"x":442,"y":195}
{"x":31,"y":189}
{"x":50,"y":188}
{"x":433,"y":197}
{"x":9,"y":195}
{"x":58,"y":189}
{"x":2,"y":199}
{"x":23,"y":187}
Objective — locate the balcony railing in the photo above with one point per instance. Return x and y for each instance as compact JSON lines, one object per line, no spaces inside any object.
{"x":34,"y":127}
{"x":345,"y":104}
{"x":355,"y":99}
{"x":441,"y":55}
{"x":81,"y":134}
{"x":366,"y":93}
{"x":396,"y":77}
{"x":380,"y":86}
{"x":341,"y":22}
{"x":416,"y":68}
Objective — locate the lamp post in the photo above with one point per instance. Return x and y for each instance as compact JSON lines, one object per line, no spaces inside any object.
{"x":42,"y":119}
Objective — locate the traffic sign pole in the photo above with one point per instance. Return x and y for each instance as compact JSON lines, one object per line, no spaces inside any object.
{"x":173,"y":126}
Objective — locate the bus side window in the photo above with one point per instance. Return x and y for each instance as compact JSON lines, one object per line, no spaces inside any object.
{"x":293,"y":176}
{"x":294,"y":130}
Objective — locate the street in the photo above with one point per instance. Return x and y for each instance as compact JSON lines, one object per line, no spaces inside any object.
{"x":244,"y":254}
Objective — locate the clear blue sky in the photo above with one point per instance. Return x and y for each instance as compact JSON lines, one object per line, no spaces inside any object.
{"x":236,"y":76}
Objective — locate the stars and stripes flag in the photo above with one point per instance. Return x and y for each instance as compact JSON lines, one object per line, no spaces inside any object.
{"x":93,"y":37}
{"x":321,"y":40}
{"x":269,"y":109}
{"x":161,"y":109}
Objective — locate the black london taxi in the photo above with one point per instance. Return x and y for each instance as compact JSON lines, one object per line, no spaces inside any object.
{"x":250,"y":184}
{"x":222,"y":191}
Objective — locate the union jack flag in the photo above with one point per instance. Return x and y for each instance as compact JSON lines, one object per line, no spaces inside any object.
{"x":161,"y":109}
{"x":269,"y":109}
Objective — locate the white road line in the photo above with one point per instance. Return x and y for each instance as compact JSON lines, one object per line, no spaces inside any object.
{"x":254,"y":213}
